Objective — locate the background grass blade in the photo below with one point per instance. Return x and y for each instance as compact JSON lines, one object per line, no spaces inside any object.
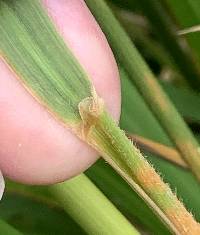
{"x":6,"y":229}
{"x":156,"y":148}
{"x":187,"y":16}
{"x":31,"y":210}
{"x":165,"y":30}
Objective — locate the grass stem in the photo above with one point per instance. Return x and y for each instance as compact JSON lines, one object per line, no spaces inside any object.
{"x":126,"y":159}
{"x":148,"y":86}
{"x":90,"y":208}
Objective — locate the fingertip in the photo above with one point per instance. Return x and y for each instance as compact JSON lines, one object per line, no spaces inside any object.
{"x":48,"y":152}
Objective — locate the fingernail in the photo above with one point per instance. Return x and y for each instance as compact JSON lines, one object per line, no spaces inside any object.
{"x":2,"y":185}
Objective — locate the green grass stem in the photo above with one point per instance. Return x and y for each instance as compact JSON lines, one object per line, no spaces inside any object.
{"x":88,"y":206}
{"x":148,"y":86}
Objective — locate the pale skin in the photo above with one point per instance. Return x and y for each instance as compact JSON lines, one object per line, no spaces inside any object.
{"x":34,"y":147}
